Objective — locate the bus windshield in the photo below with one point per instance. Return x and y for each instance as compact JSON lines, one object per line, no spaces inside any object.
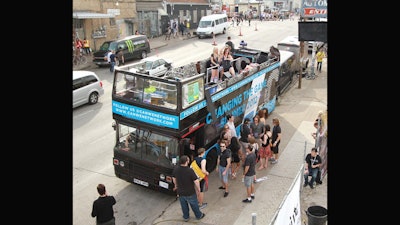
{"x":147,"y":91}
{"x":144,"y":145}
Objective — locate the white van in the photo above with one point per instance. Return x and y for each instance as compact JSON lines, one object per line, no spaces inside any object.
{"x":212,"y":24}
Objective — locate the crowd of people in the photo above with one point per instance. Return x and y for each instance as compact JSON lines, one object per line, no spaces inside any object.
{"x":258,"y":144}
{"x":173,"y":28}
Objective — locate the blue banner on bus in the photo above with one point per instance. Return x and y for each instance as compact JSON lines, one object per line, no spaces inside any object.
{"x":149,"y":116}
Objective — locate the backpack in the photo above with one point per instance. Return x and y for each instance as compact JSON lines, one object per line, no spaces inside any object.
{"x":197,"y":170}
{"x":255,"y":149}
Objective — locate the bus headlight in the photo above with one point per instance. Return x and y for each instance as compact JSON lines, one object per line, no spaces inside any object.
{"x":162,"y":177}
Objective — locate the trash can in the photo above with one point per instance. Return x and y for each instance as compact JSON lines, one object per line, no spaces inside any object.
{"x":317,"y":215}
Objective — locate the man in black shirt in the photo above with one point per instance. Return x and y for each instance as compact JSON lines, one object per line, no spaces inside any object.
{"x":312,"y":163}
{"x":244,"y":134}
{"x":103,"y":207}
{"x":249,"y":173}
{"x":185,"y":180}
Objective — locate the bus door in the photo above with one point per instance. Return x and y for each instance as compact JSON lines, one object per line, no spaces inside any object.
{"x":193,"y":141}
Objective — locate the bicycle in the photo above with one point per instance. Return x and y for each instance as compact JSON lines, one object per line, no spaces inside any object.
{"x":78,"y":60}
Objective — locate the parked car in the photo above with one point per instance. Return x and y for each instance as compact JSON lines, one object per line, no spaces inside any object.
{"x":153,"y":66}
{"x":86,"y":88}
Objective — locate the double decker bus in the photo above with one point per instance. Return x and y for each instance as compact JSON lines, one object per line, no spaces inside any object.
{"x":157,"y":119}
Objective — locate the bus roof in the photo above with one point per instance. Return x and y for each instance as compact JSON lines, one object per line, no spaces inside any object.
{"x":213,"y":16}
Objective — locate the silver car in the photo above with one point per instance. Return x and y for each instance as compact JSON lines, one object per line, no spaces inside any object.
{"x":153,"y":66}
{"x":86,"y":88}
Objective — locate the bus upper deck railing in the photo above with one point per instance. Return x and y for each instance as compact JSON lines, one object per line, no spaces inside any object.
{"x":165,"y":93}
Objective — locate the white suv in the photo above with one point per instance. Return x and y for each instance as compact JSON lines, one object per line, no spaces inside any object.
{"x":86,"y":88}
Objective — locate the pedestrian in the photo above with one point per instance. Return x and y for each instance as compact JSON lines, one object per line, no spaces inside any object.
{"x":78,"y":47}
{"x":245,"y":133}
{"x":276,"y":140}
{"x":112,"y":61}
{"x":236,"y":149}
{"x":224,"y":166}
{"x":201,"y":162}
{"x":186,"y":186}
{"x":311,"y":168}
{"x":257,"y":128}
{"x":174,"y":29}
{"x":226,"y":61}
{"x":168,"y":32}
{"x":255,"y":148}
{"x":249,"y":16}
{"x":103,"y":207}
{"x":214,"y":60}
{"x":263,"y":114}
{"x":86,"y":46}
{"x":226,"y":134}
{"x":249,"y":173}
{"x":182,"y":27}
{"x":231,"y":124}
{"x":265,"y":150}
{"x":230,"y":44}
{"x":320,"y":56}
{"x":120,"y":56}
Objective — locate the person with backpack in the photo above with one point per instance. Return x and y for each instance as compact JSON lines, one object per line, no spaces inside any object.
{"x":199,"y":165}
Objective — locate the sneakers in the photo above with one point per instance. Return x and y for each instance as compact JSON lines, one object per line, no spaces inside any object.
{"x":271,"y":159}
{"x":226,"y":194}
{"x":203,"y":205}
{"x":253,"y":197}
{"x":221,"y":187}
{"x":319,"y":182}
{"x":185,"y":219}
{"x":274,"y":161}
{"x":311,"y":186}
{"x":202,"y":216}
{"x":305,"y":184}
{"x":246,"y":201}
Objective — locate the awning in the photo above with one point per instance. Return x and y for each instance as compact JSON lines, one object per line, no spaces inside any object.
{"x":91,"y":15}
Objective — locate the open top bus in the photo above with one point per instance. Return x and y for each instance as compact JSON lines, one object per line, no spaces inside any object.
{"x":160,"y":118}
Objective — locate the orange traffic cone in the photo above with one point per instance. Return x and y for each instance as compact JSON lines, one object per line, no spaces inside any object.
{"x":214,"y":40}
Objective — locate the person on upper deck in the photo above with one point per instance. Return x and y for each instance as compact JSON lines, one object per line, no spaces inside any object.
{"x":226,"y":63}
